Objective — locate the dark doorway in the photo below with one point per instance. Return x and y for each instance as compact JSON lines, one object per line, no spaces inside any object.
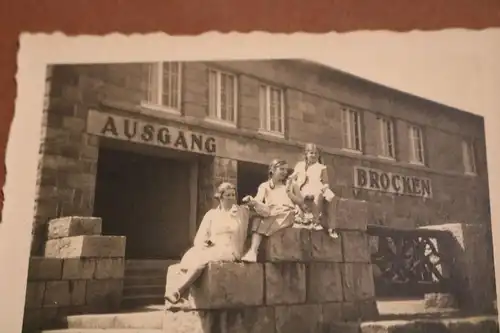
{"x":146,"y":199}
{"x":250,"y":176}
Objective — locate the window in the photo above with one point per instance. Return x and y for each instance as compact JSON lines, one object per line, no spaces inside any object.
{"x":222,"y":100}
{"x":387,"y":138}
{"x":416,"y":145}
{"x":164,"y":85}
{"x":469,"y":157}
{"x":272,"y":109}
{"x":351,"y":128}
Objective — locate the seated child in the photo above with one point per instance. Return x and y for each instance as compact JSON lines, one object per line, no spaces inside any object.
{"x":310,"y":176}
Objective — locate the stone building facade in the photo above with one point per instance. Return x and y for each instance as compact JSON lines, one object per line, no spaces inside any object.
{"x":143,"y":145}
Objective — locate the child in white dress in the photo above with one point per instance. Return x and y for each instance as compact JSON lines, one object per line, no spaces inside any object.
{"x":311,"y":177}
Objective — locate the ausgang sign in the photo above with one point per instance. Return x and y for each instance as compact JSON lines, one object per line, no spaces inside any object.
{"x":378,"y":180}
{"x":130,"y":129}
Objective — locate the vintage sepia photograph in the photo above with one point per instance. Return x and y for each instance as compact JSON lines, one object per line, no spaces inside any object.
{"x":272,"y":195}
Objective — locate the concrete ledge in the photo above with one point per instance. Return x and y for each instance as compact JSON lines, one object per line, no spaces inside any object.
{"x":74,"y":226}
{"x":86,"y":247}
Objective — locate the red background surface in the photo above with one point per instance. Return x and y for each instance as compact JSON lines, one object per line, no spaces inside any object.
{"x":191,"y":17}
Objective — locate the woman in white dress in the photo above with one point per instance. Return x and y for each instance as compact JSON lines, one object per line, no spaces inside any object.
{"x":220,"y":237}
{"x":274,"y":205}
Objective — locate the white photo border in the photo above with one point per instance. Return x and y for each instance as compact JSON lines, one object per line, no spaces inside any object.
{"x":473,"y":49}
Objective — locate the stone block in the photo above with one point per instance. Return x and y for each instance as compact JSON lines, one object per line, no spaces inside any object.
{"x":330,"y":313}
{"x":110,"y":268}
{"x":352,"y":214}
{"x":285,"y":283}
{"x":243,"y":320}
{"x":367,"y":310}
{"x":290,"y":244}
{"x":298,"y":318}
{"x":35,"y":320}
{"x":355,"y":246}
{"x":357,"y":282}
{"x":57,"y":294}
{"x":325,"y":248}
{"x":78,"y":269}
{"x":472,"y":271}
{"x":222,"y":285}
{"x":86,"y":247}
{"x":74,"y":226}
{"x":350,"y":311}
{"x":34,"y":295}
{"x":195,"y":321}
{"x":44,"y":269}
{"x":104,"y":295}
{"x":324,"y":283}
{"x":77,"y":292}
{"x":343,"y":327}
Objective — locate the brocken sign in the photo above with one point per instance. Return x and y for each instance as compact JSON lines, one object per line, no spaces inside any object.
{"x":130,"y":129}
{"x":378,"y":180}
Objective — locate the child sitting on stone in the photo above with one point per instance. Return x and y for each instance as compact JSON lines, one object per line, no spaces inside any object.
{"x":311,"y":178}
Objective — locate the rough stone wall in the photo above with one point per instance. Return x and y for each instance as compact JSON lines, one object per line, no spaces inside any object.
{"x":81,"y":272}
{"x":306,"y":282}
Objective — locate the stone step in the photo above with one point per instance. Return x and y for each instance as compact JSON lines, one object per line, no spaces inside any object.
{"x":148,"y":264}
{"x":106,"y":330}
{"x":476,"y":324}
{"x":149,"y":272}
{"x":142,"y":300}
{"x":151,"y":320}
{"x":139,"y":290}
{"x":145,"y":280}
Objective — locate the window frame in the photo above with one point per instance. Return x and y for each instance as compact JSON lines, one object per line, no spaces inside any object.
{"x":265,"y":114}
{"x":218,"y":91}
{"x":468,"y":150}
{"x":155,"y":87}
{"x":387,"y":147}
{"x":346,"y":121}
{"x":414,"y":159}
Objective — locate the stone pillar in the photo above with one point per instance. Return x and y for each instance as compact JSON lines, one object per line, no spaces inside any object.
{"x":82,"y":272}
{"x":68,"y":155}
{"x":306,"y":282}
{"x":470,"y":271}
